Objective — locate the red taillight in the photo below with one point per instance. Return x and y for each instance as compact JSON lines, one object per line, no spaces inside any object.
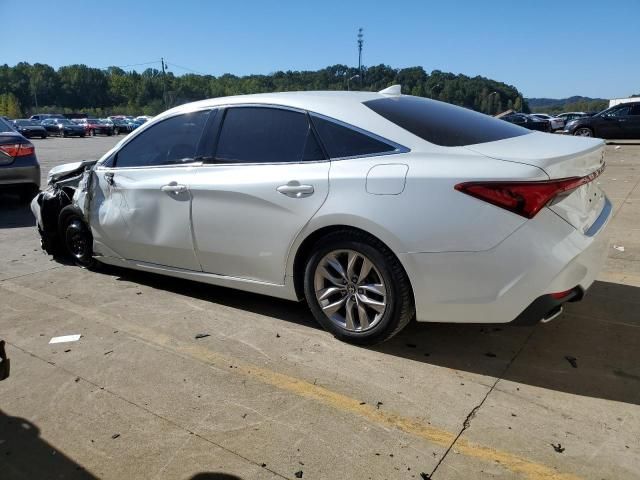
{"x":561,"y":295}
{"x":18,"y":149}
{"x":524,"y":198}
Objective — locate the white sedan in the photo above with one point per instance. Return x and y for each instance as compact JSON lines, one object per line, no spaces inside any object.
{"x":557,"y":123}
{"x":374,"y":207}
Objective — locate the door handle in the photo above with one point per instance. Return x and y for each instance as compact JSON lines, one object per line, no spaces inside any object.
{"x":293,"y":189}
{"x":109,"y":178}
{"x":174,"y":188}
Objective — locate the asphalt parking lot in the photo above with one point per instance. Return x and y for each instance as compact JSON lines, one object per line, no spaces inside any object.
{"x":267,"y":394}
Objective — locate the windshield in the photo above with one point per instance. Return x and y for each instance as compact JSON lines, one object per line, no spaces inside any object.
{"x":26,"y":123}
{"x":442,"y":123}
{"x":64,"y":121}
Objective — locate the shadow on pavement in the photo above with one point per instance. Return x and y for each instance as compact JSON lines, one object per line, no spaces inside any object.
{"x":600,"y":336}
{"x":15,"y":213}
{"x":268,"y":306}
{"x":591,"y":350}
{"x":25,"y":455}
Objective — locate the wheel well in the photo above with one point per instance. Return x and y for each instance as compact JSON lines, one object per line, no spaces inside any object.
{"x":306,"y":248}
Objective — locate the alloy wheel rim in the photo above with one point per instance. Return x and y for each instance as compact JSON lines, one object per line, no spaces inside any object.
{"x":350,"y":290}
{"x":77,"y":244}
{"x":583,"y":132}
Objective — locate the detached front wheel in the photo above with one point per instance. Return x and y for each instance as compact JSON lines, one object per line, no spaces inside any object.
{"x":77,"y":237}
{"x":357,"y":289}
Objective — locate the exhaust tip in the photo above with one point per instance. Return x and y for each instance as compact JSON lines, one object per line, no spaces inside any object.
{"x":555,"y":313}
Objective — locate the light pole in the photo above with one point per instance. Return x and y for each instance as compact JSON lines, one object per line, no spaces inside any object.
{"x":489,"y":102}
{"x":349,"y":80}
{"x":360,"y":42}
{"x":431,"y":89}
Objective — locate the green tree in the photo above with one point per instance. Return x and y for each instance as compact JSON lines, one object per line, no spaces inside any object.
{"x":10,"y":106}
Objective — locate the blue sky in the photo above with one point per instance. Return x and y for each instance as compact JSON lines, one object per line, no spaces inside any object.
{"x":544,"y":48}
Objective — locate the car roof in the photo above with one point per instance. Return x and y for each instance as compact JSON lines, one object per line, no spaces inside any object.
{"x":345,"y":106}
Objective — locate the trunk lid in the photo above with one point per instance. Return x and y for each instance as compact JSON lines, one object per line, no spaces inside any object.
{"x":559,"y":157}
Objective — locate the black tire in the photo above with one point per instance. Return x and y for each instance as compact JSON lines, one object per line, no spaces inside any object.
{"x":43,"y":136}
{"x":76,"y":237}
{"x":578,"y":132}
{"x":82,"y":135}
{"x":400,"y":306}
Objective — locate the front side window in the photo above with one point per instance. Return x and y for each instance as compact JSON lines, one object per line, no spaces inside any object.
{"x":172,"y":141}
{"x":341,"y":141}
{"x":442,"y":123}
{"x":266,"y":135}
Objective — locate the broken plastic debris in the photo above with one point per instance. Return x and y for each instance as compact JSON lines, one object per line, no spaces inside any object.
{"x":299,"y":474}
{"x":202,"y":335}
{"x":65,"y":338}
{"x":617,"y":147}
{"x":620,"y":248}
{"x":558,"y":448}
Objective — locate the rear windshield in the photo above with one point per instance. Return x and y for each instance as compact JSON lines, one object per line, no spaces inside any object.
{"x":442,"y":123}
{"x":5,"y":127}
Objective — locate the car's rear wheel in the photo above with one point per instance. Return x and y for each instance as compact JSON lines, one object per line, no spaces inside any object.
{"x":583,"y":132}
{"x":77,"y":237}
{"x":357,"y":289}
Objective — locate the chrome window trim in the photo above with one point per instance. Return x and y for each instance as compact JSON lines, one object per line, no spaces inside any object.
{"x":398,"y":148}
{"x":147,"y":167}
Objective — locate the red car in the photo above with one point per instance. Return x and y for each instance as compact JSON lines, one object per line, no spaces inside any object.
{"x":94,"y":127}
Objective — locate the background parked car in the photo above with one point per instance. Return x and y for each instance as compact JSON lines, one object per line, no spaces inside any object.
{"x":43,"y":116}
{"x":567,"y":116}
{"x":29,"y":128}
{"x":556,"y":123}
{"x":63,"y":127}
{"x":93,"y":126}
{"x":620,"y":121}
{"x":19,"y":167}
{"x":528,"y":121}
{"x":123,"y":125}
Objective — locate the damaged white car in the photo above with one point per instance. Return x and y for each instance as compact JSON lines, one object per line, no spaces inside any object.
{"x":374,"y":207}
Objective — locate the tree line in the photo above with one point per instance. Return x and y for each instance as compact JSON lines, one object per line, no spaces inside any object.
{"x":26,"y":89}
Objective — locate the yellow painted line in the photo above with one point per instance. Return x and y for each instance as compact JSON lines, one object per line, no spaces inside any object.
{"x":343,"y":403}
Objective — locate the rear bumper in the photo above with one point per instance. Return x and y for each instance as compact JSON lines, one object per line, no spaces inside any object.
{"x":24,"y":170}
{"x":543,"y":256}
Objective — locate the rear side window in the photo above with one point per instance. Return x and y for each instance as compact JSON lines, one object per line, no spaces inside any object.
{"x":170,"y":142}
{"x":266,"y":135}
{"x":442,"y":123}
{"x":341,"y":141}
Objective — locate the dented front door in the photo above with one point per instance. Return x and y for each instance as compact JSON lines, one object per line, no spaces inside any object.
{"x":143,"y":214}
